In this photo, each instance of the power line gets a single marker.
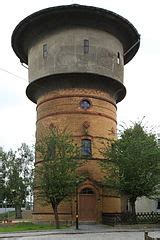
(6, 71)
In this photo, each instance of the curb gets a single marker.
(73, 232)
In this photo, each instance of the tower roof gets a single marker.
(74, 15)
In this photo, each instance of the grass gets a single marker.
(24, 227)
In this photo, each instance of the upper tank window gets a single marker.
(85, 104)
(45, 51)
(86, 46)
(118, 58)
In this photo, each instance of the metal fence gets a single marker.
(129, 218)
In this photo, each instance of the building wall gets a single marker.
(145, 204)
(61, 108)
(62, 51)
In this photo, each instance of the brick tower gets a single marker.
(75, 56)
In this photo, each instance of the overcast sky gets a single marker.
(141, 76)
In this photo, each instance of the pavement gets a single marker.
(88, 232)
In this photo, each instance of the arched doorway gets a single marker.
(87, 205)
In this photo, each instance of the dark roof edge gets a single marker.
(96, 10)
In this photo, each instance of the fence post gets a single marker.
(145, 235)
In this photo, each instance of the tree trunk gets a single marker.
(55, 208)
(133, 207)
(18, 212)
(133, 210)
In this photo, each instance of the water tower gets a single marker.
(76, 56)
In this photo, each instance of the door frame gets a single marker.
(97, 197)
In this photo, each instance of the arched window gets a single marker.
(86, 148)
(87, 191)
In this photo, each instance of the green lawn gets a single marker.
(24, 227)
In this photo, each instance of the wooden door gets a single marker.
(87, 205)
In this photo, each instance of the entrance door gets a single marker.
(87, 205)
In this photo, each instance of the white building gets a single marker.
(145, 204)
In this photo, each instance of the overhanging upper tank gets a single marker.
(74, 15)
(75, 39)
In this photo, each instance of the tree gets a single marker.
(2, 176)
(57, 175)
(132, 163)
(18, 180)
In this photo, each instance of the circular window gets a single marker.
(85, 104)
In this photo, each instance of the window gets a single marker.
(87, 191)
(158, 204)
(85, 104)
(51, 151)
(86, 46)
(86, 148)
(45, 51)
(118, 58)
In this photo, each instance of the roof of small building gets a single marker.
(74, 15)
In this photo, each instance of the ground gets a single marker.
(94, 232)
(90, 236)
(86, 232)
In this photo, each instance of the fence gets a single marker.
(129, 218)
(146, 237)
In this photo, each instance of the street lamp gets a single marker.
(77, 208)
(5, 205)
(1, 172)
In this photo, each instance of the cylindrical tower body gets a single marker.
(76, 55)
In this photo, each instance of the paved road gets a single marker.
(85, 232)
(89, 236)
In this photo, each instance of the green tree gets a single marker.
(18, 179)
(57, 175)
(132, 163)
(2, 176)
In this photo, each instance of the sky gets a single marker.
(141, 75)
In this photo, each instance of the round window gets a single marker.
(85, 104)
